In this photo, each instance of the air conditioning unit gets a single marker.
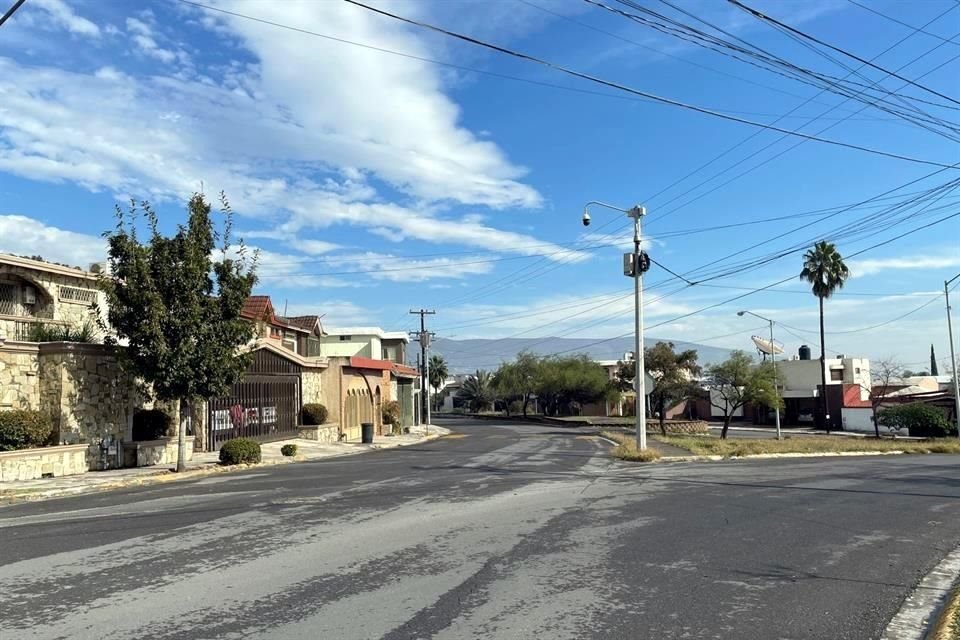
(29, 295)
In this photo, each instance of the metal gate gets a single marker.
(264, 405)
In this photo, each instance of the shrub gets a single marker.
(240, 451)
(391, 412)
(314, 414)
(920, 420)
(23, 429)
(151, 424)
(40, 332)
(289, 450)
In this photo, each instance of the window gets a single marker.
(313, 348)
(346, 338)
(836, 375)
(78, 295)
(275, 332)
(857, 371)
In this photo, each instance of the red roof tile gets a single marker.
(257, 308)
(359, 362)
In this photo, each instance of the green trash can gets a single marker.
(366, 433)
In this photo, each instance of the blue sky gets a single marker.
(373, 183)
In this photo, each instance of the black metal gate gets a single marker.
(264, 405)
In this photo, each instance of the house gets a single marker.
(35, 292)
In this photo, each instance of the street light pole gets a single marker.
(773, 359)
(953, 356)
(637, 267)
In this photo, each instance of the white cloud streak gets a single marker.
(61, 14)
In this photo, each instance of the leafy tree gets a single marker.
(517, 380)
(919, 419)
(934, 370)
(477, 391)
(177, 308)
(737, 381)
(673, 373)
(565, 381)
(884, 373)
(438, 375)
(824, 269)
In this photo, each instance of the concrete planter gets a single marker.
(147, 453)
(31, 464)
(325, 433)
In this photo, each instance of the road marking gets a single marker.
(922, 606)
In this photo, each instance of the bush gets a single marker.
(39, 332)
(23, 429)
(151, 424)
(391, 412)
(314, 414)
(240, 451)
(920, 420)
(289, 450)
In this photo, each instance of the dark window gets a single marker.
(836, 375)
(346, 338)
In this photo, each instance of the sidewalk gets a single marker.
(201, 465)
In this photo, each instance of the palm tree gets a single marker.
(824, 269)
(477, 391)
(438, 374)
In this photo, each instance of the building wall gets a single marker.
(857, 419)
(367, 346)
(19, 376)
(802, 377)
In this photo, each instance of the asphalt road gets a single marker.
(498, 532)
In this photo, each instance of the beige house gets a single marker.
(34, 292)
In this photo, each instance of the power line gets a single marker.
(12, 10)
(901, 22)
(765, 18)
(621, 87)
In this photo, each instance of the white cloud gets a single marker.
(142, 36)
(861, 268)
(21, 235)
(335, 313)
(62, 15)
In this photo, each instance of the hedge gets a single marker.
(289, 450)
(25, 429)
(920, 420)
(240, 451)
(151, 424)
(314, 414)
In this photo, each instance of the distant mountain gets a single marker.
(465, 356)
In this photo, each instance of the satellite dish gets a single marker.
(766, 347)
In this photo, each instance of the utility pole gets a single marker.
(953, 355)
(424, 337)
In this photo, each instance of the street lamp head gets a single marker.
(740, 313)
(585, 219)
(637, 211)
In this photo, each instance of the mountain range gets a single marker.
(466, 356)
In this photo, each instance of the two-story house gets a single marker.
(34, 292)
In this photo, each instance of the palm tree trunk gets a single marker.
(825, 421)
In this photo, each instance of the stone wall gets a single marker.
(89, 397)
(324, 433)
(151, 452)
(313, 387)
(31, 464)
(19, 376)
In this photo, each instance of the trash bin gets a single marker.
(366, 433)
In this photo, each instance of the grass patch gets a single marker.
(714, 446)
(626, 448)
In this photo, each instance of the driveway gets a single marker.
(499, 531)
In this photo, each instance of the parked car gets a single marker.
(806, 415)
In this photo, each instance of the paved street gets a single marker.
(498, 531)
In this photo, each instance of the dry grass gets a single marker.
(627, 448)
(714, 446)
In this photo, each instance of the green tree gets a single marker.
(477, 391)
(563, 382)
(517, 380)
(934, 370)
(673, 373)
(919, 419)
(737, 381)
(824, 269)
(438, 375)
(884, 374)
(177, 308)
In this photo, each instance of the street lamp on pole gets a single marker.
(635, 265)
(773, 358)
(953, 355)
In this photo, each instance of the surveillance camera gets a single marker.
(586, 219)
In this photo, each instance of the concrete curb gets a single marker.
(164, 475)
(926, 611)
(770, 456)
